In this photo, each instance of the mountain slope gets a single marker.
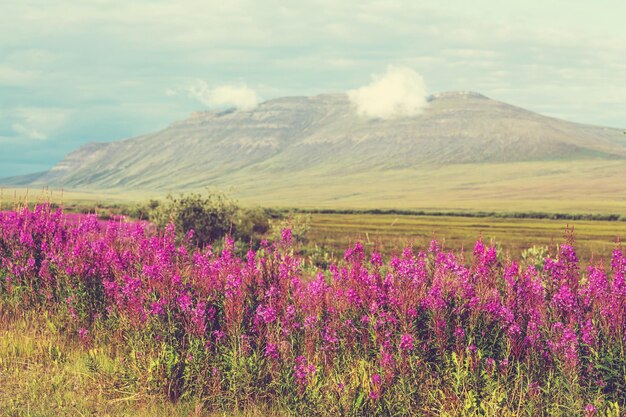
(323, 133)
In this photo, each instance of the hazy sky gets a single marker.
(73, 72)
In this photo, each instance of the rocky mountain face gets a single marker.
(324, 136)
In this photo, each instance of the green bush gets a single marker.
(251, 224)
(299, 223)
(211, 215)
(535, 256)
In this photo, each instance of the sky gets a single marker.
(79, 71)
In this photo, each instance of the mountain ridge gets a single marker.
(297, 141)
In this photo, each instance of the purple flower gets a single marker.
(286, 237)
(376, 259)
(490, 364)
(591, 410)
(459, 333)
(83, 333)
(267, 313)
(329, 338)
(533, 388)
(303, 370)
(310, 322)
(219, 335)
(406, 342)
(376, 380)
(156, 308)
(271, 351)
(184, 302)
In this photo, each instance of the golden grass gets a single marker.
(392, 232)
(43, 372)
(585, 186)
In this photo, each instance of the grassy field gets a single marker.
(106, 327)
(44, 372)
(593, 186)
(9, 197)
(390, 233)
(587, 186)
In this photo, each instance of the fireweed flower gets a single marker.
(504, 365)
(459, 333)
(374, 395)
(219, 335)
(184, 302)
(590, 410)
(406, 342)
(156, 308)
(434, 247)
(555, 316)
(303, 370)
(588, 333)
(271, 351)
(329, 338)
(268, 314)
(286, 237)
(198, 316)
(490, 365)
(83, 333)
(376, 382)
(376, 259)
(310, 322)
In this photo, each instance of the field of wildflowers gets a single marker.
(428, 332)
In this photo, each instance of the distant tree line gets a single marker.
(502, 214)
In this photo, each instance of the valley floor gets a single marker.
(390, 233)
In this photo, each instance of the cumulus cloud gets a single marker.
(400, 92)
(235, 95)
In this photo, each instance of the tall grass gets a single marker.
(429, 332)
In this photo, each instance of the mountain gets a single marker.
(299, 148)
(22, 180)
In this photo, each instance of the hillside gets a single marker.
(318, 151)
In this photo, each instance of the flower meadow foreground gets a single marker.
(429, 332)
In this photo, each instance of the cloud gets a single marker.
(10, 76)
(469, 53)
(400, 92)
(239, 96)
(36, 123)
(28, 132)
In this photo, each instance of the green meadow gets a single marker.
(390, 233)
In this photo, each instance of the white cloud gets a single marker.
(239, 96)
(10, 76)
(28, 132)
(400, 92)
(36, 123)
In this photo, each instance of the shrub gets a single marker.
(211, 215)
(299, 224)
(251, 224)
(535, 256)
